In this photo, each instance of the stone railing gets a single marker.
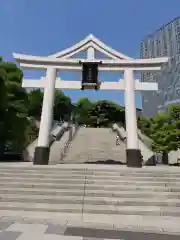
(57, 132)
(73, 129)
(120, 132)
(147, 154)
(173, 156)
(146, 140)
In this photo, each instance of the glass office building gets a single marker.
(164, 42)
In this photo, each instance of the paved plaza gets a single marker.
(27, 230)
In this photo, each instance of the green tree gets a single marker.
(164, 130)
(108, 112)
(35, 103)
(144, 124)
(62, 107)
(101, 113)
(13, 104)
(81, 109)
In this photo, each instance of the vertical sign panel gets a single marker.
(90, 75)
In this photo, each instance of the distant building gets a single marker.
(164, 42)
(138, 112)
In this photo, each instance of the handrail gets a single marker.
(68, 142)
(29, 151)
(148, 155)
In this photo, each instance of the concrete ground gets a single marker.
(15, 229)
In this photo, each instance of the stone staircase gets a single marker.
(115, 196)
(95, 145)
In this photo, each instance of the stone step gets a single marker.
(90, 173)
(90, 193)
(93, 209)
(42, 176)
(40, 191)
(133, 186)
(64, 176)
(134, 193)
(44, 171)
(132, 210)
(40, 185)
(90, 186)
(96, 184)
(43, 180)
(89, 168)
(44, 207)
(90, 181)
(113, 201)
(130, 183)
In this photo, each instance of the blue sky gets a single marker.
(41, 27)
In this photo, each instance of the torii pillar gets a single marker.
(133, 153)
(42, 151)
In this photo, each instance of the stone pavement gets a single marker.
(31, 229)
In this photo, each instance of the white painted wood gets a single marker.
(89, 39)
(33, 83)
(67, 84)
(79, 68)
(70, 51)
(130, 110)
(80, 49)
(91, 54)
(131, 62)
(145, 86)
(47, 109)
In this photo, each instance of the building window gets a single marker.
(177, 49)
(178, 29)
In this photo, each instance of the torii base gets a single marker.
(41, 156)
(134, 158)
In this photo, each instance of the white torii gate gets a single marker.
(62, 61)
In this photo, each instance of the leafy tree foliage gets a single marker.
(13, 107)
(62, 107)
(98, 114)
(81, 110)
(35, 103)
(174, 112)
(145, 125)
(163, 129)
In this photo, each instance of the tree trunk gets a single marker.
(2, 150)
